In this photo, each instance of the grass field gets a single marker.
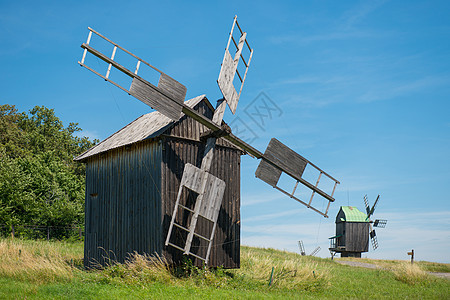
(49, 270)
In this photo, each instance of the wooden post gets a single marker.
(271, 277)
(412, 255)
(12, 230)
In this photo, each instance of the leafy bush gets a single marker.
(40, 184)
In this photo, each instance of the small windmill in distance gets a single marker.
(353, 230)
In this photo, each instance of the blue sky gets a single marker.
(362, 87)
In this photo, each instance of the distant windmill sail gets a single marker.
(377, 223)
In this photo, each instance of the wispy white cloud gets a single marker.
(255, 199)
(355, 15)
(272, 215)
(389, 90)
(346, 27)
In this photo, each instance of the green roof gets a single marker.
(352, 214)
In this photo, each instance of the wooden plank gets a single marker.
(192, 178)
(286, 158)
(172, 88)
(225, 81)
(152, 96)
(227, 73)
(212, 199)
(268, 173)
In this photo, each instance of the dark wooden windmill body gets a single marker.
(132, 178)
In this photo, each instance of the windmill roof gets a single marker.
(352, 214)
(145, 127)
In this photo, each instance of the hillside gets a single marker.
(39, 269)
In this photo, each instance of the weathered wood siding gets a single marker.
(182, 145)
(356, 237)
(226, 166)
(131, 192)
(123, 203)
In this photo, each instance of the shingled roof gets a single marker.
(145, 127)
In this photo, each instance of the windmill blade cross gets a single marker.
(167, 97)
(170, 103)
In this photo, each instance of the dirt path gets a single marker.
(357, 264)
(372, 266)
(442, 275)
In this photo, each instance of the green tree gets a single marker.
(40, 184)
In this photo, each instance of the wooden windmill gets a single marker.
(354, 229)
(167, 96)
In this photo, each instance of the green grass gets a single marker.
(53, 270)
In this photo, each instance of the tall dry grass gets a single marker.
(139, 269)
(411, 274)
(290, 269)
(36, 261)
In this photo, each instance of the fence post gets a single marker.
(12, 230)
(48, 233)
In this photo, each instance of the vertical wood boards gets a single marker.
(356, 237)
(224, 165)
(125, 214)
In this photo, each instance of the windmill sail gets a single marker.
(373, 238)
(380, 223)
(372, 210)
(229, 68)
(302, 248)
(366, 203)
(279, 158)
(167, 97)
(315, 251)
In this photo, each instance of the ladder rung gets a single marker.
(190, 253)
(195, 255)
(175, 246)
(202, 237)
(182, 206)
(182, 227)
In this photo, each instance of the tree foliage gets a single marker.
(40, 184)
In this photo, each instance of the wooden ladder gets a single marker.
(210, 191)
